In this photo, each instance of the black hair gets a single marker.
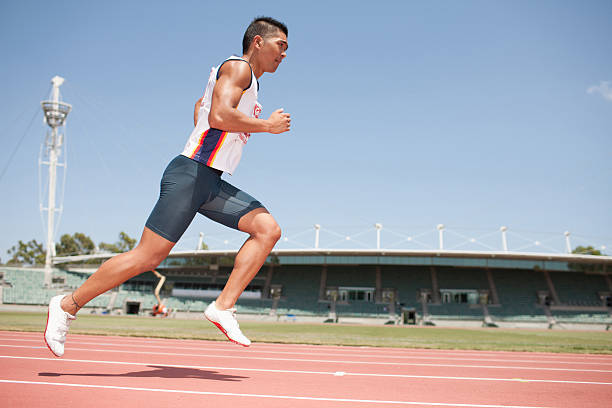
(262, 26)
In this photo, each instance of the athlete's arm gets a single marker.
(234, 77)
(196, 111)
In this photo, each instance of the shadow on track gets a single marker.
(160, 372)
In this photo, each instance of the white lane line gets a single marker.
(141, 340)
(332, 373)
(308, 360)
(441, 353)
(289, 397)
(420, 357)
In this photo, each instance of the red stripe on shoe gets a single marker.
(225, 332)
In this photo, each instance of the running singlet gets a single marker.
(217, 148)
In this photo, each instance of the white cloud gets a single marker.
(604, 89)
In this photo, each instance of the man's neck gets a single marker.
(250, 58)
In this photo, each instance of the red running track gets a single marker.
(101, 371)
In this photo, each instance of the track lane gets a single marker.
(388, 368)
(39, 394)
(187, 344)
(263, 351)
(198, 374)
(304, 386)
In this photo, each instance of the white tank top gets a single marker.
(217, 148)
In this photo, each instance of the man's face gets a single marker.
(273, 50)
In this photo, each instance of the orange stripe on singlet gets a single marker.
(200, 142)
(211, 160)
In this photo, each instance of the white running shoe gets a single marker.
(226, 321)
(58, 323)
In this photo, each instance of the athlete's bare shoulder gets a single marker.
(237, 72)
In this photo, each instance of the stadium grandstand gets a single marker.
(432, 286)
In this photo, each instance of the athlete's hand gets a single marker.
(279, 121)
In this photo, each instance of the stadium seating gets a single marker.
(408, 281)
(26, 287)
(300, 289)
(517, 291)
(584, 294)
(462, 278)
(360, 276)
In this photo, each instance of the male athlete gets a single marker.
(224, 119)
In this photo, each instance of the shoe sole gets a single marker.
(224, 332)
(45, 336)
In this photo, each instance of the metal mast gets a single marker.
(55, 116)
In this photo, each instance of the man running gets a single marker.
(224, 119)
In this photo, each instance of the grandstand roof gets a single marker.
(527, 256)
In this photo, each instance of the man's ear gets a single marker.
(258, 41)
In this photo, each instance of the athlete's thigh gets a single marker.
(183, 190)
(229, 205)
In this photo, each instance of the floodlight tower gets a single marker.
(55, 116)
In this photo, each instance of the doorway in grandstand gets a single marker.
(355, 294)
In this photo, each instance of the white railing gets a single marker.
(378, 236)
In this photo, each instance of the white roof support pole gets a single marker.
(568, 246)
(504, 240)
(440, 228)
(200, 241)
(378, 228)
(317, 228)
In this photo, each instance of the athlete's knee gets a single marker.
(275, 232)
(268, 230)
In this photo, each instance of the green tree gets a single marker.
(588, 250)
(77, 244)
(112, 248)
(124, 244)
(586, 267)
(29, 253)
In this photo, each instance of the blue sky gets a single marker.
(474, 114)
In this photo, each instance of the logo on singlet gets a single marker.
(244, 137)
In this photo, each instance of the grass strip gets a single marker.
(558, 341)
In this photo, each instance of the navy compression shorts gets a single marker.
(189, 187)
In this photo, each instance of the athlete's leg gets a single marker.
(150, 252)
(264, 233)
(239, 210)
(185, 185)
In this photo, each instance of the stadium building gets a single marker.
(427, 287)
